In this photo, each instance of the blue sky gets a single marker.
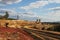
(46, 10)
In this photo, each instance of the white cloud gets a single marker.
(2, 5)
(54, 8)
(10, 11)
(0, 0)
(36, 4)
(52, 1)
(52, 16)
(28, 14)
(10, 1)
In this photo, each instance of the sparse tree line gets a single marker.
(54, 28)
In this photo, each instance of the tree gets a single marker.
(17, 17)
(6, 15)
(38, 21)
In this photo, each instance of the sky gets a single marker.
(46, 10)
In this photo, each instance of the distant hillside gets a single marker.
(51, 22)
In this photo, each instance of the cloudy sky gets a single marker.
(46, 10)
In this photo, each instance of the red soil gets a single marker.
(14, 34)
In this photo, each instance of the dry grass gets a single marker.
(23, 24)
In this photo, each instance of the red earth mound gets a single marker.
(13, 34)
